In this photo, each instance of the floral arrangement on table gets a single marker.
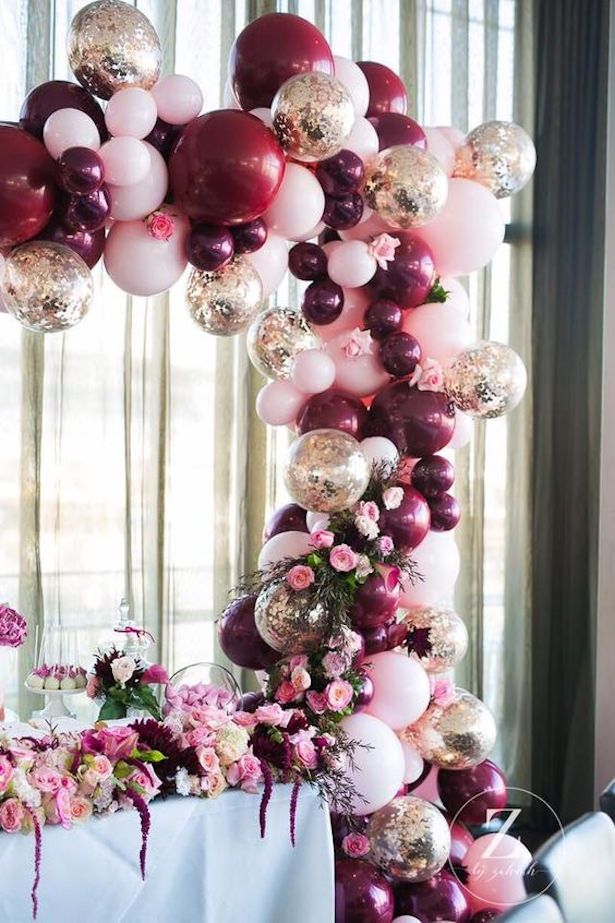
(121, 682)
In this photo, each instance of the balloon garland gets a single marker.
(313, 166)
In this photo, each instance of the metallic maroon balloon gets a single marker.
(418, 422)
(307, 261)
(47, 98)
(80, 171)
(409, 523)
(343, 212)
(333, 409)
(387, 92)
(362, 894)
(163, 137)
(239, 638)
(445, 512)
(439, 898)
(433, 475)
(400, 354)
(328, 235)
(271, 49)
(375, 601)
(210, 246)
(250, 237)
(461, 840)
(250, 701)
(468, 794)
(289, 518)
(410, 275)
(226, 168)
(485, 916)
(88, 246)
(341, 174)
(393, 128)
(383, 317)
(323, 301)
(397, 633)
(87, 212)
(366, 691)
(376, 639)
(27, 186)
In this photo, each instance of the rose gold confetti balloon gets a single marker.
(276, 338)
(405, 186)
(290, 621)
(441, 638)
(409, 839)
(326, 471)
(454, 736)
(498, 155)
(486, 380)
(313, 114)
(224, 302)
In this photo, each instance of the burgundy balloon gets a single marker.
(87, 212)
(226, 168)
(387, 92)
(239, 638)
(400, 354)
(89, 246)
(366, 691)
(289, 518)
(397, 633)
(418, 422)
(323, 301)
(409, 523)
(374, 603)
(459, 835)
(362, 894)
(47, 98)
(80, 171)
(333, 409)
(328, 235)
(485, 916)
(307, 261)
(433, 475)
(341, 174)
(250, 701)
(250, 237)
(424, 773)
(393, 128)
(27, 186)
(439, 898)
(445, 512)
(468, 794)
(343, 212)
(410, 276)
(271, 49)
(383, 317)
(210, 246)
(376, 639)
(163, 137)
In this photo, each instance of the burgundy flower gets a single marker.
(13, 628)
(418, 641)
(298, 722)
(278, 753)
(155, 736)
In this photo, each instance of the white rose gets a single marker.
(366, 527)
(123, 668)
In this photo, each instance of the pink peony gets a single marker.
(269, 714)
(355, 845)
(300, 577)
(322, 538)
(285, 693)
(357, 343)
(369, 509)
(317, 702)
(300, 679)
(338, 694)
(13, 627)
(155, 673)
(6, 773)
(160, 225)
(12, 815)
(392, 497)
(385, 545)
(343, 558)
(334, 664)
(383, 248)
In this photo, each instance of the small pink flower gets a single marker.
(339, 694)
(300, 577)
(383, 248)
(366, 527)
(146, 781)
(160, 225)
(322, 538)
(6, 773)
(80, 809)
(155, 673)
(58, 808)
(393, 497)
(357, 343)
(272, 715)
(286, 693)
(45, 779)
(298, 660)
(428, 377)
(369, 509)
(305, 753)
(93, 687)
(300, 679)
(317, 702)
(334, 664)
(343, 558)
(355, 845)
(385, 544)
(443, 692)
(11, 815)
(208, 761)
(364, 566)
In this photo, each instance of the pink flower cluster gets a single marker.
(13, 627)
(186, 697)
(59, 670)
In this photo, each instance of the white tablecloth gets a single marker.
(206, 864)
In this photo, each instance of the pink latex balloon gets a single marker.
(178, 99)
(468, 230)
(428, 789)
(264, 115)
(413, 762)
(270, 262)
(377, 772)
(313, 371)
(284, 545)
(406, 919)
(311, 234)
(358, 375)
(131, 202)
(69, 128)
(401, 689)
(437, 560)
(141, 265)
(316, 521)
(464, 427)
(331, 245)
(351, 265)
(362, 140)
(356, 302)
(365, 230)
(453, 135)
(131, 113)
(440, 329)
(442, 149)
(378, 449)
(457, 296)
(126, 161)
(495, 865)
(279, 402)
(299, 204)
(355, 82)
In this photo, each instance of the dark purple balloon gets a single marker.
(408, 278)
(250, 237)
(250, 701)
(289, 518)
(433, 475)
(445, 512)
(88, 212)
(341, 174)
(344, 212)
(80, 171)
(333, 409)
(375, 601)
(307, 261)
(397, 633)
(328, 235)
(393, 128)
(400, 354)
(163, 137)
(418, 422)
(409, 523)
(468, 794)
(323, 301)
(210, 246)
(366, 692)
(485, 916)
(376, 639)
(362, 894)
(383, 317)
(89, 246)
(239, 638)
(47, 98)
(439, 898)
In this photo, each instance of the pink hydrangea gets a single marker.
(383, 248)
(322, 538)
(339, 694)
(13, 627)
(343, 558)
(355, 845)
(300, 577)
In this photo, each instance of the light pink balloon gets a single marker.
(264, 115)
(131, 113)
(270, 262)
(362, 140)
(414, 763)
(406, 919)
(311, 234)
(279, 402)
(360, 375)
(468, 230)
(299, 204)
(131, 202)
(316, 521)
(457, 295)
(453, 135)
(284, 545)
(141, 265)
(367, 229)
(127, 161)
(69, 128)
(464, 427)
(440, 329)
(441, 148)
(351, 265)
(356, 302)
(313, 371)
(378, 450)
(437, 560)
(355, 82)
(377, 772)
(428, 789)
(331, 245)
(178, 99)
(401, 689)
(496, 863)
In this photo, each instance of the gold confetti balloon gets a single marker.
(289, 621)
(409, 839)
(458, 735)
(438, 638)
(112, 45)
(46, 286)
(486, 380)
(498, 155)
(326, 471)
(313, 114)
(226, 301)
(405, 186)
(276, 338)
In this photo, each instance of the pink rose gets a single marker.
(198, 737)
(286, 692)
(300, 679)
(334, 664)
(145, 780)
(58, 808)
(6, 773)
(208, 761)
(93, 687)
(343, 558)
(369, 509)
(443, 692)
(322, 538)
(385, 545)
(123, 668)
(383, 248)
(355, 845)
(338, 694)
(317, 702)
(357, 343)
(300, 577)
(11, 815)
(115, 742)
(209, 715)
(305, 753)
(246, 771)
(155, 674)
(428, 377)
(160, 225)
(101, 765)
(45, 779)
(392, 497)
(80, 809)
(298, 660)
(244, 719)
(269, 714)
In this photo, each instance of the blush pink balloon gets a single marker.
(453, 135)
(126, 161)
(413, 762)
(69, 128)
(358, 375)
(316, 521)
(279, 402)
(495, 865)
(331, 245)
(178, 99)
(362, 140)
(270, 262)
(313, 371)
(377, 773)
(351, 265)
(131, 113)
(264, 115)
(131, 202)
(365, 230)
(379, 450)
(141, 265)
(355, 82)
(311, 234)
(356, 302)
(284, 545)
(437, 560)
(401, 689)
(441, 148)
(440, 329)
(428, 789)
(464, 427)
(299, 204)
(457, 296)
(468, 230)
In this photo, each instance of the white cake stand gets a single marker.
(56, 706)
